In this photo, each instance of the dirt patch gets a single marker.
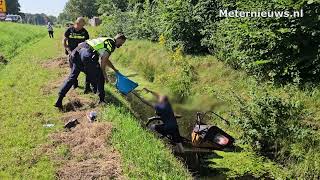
(51, 87)
(60, 62)
(73, 105)
(85, 154)
(3, 60)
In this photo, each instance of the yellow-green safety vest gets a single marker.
(101, 44)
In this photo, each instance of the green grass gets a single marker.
(22, 133)
(143, 156)
(21, 100)
(213, 89)
(15, 36)
(215, 81)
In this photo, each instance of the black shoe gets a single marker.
(95, 91)
(87, 91)
(58, 105)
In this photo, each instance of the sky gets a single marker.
(49, 7)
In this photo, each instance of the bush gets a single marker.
(283, 50)
(180, 28)
(120, 22)
(140, 22)
(273, 127)
(309, 168)
(206, 13)
(148, 69)
(179, 79)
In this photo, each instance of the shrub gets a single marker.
(180, 27)
(283, 50)
(273, 127)
(119, 22)
(206, 13)
(309, 168)
(148, 70)
(179, 80)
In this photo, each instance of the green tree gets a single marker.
(180, 28)
(110, 6)
(13, 6)
(76, 8)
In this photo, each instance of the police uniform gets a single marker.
(87, 60)
(74, 38)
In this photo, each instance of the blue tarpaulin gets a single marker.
(124, 84)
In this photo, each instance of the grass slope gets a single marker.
(24, 109)
(144, 59)
(214, 80)
(14, 36)
(144, 157)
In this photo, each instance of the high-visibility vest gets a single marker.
(101, 44)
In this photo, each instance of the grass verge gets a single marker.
(14, 36)
(24, 110)
(143, 156)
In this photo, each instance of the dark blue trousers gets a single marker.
(87, 82)
(88, 62)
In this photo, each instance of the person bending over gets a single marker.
(73, 36)
(92, 57)
(164, 110)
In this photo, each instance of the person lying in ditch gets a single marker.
(164, 110)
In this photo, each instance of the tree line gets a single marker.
(13, 7)
(282, 50)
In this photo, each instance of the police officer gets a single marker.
(86, 57)
(73, 36)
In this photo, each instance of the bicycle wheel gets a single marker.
(153, 122)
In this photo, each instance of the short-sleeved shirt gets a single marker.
(166, 113)
(76, 37)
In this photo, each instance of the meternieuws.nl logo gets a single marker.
(264, 14)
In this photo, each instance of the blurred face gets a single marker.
(80, 25)
(119, 42)
(163, 99)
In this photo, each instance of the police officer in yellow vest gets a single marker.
(86, 59)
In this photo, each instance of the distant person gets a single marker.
(85, 58)
(50, 30)
(164, 110)
(73, 36)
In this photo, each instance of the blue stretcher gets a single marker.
(124, 84)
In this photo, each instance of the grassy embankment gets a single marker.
(144, 156)
(14, 36)
(25, 110)
(21, 101)
(215, 83)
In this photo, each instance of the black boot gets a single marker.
(87, 88)
(58, 104)
(87, 91)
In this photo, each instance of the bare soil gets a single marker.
(60, 62)
(3, 60)
(84, 152)
(87, 153)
